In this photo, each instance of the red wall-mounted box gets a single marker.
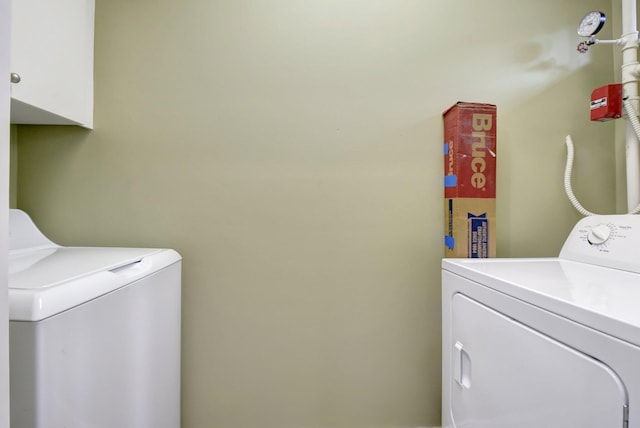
(606, 102)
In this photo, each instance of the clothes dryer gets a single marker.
(546, 342)
(94, 333)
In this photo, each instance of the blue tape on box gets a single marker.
(450, 181)
(450, 242)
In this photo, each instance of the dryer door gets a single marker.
(505, 375)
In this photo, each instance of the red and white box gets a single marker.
(606, 102)
(470, 180)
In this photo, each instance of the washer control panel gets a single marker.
(608, 240)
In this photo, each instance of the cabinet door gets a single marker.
(505, 375)
(52, 52)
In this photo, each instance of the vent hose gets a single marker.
(635, 124)
(567, 180)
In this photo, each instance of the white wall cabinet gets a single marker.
(52, 53)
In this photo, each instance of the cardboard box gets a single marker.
(470, 180)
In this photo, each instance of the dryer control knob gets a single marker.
(599, 234)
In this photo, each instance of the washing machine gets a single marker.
(546, 342)
(94, 333)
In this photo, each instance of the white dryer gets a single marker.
(546, 342)
(94, 334)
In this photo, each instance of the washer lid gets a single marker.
(46, 281)
(602, 298)
(52, 266)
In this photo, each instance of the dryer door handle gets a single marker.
(461, 366)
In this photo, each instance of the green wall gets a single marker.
(291, 151)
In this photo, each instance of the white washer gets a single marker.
(546, 342)
(94, 334)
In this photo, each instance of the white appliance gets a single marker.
(94, 334)
(546, 342)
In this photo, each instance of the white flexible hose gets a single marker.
(635, 124)
(567, 179)
(632, 115)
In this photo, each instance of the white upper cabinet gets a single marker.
(52, 57)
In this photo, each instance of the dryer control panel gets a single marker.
(605, 240)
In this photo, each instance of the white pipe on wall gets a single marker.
(630, 72)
